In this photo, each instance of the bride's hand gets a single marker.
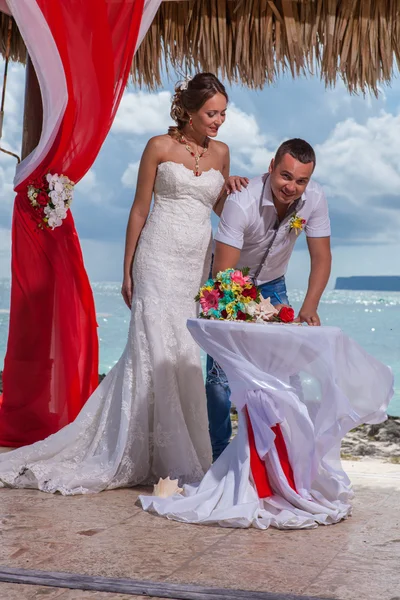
(127, 290)
(234, 183)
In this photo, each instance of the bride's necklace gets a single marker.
(196, 155)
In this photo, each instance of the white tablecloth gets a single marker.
(315, 382)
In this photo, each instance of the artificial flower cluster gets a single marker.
(51, 197)
(232, 296)
(297, 223)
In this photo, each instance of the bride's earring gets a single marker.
(191, 122)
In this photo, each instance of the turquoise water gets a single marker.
(371, 318)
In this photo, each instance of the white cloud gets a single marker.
(248, 145)
(142, 113)
(146, 114)
(360, 164)
(241, 131)
(6, 182)
(13, 108)
(5, 253)
(88, 183)
(12, 135)
(359, 161)
(129, 177)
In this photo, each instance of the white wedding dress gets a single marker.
(148, 417)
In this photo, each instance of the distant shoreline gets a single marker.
(368, 283)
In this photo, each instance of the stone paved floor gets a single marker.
(108, 535)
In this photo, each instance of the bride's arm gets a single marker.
(139, 212)
(219, 205)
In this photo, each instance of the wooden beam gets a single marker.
(177, 591)
(33, 111)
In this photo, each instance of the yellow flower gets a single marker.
(206, 288)
(230, 308)
(296, 223)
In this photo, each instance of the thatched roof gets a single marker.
(253, 41)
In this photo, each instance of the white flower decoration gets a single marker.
(60, 192)
(184, 85)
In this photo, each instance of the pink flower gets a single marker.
(239, 278)
(209, 300)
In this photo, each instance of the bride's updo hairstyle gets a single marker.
(189, 97)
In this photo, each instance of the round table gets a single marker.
(298, 390)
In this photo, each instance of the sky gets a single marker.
(356, 138)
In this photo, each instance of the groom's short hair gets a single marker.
(299, 149)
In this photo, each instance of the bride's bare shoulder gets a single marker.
(220, 147)
(160, 143)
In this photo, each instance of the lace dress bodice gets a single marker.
(175, 243)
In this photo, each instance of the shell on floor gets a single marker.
(166, 488)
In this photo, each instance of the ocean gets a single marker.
(370, 318)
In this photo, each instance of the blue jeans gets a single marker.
(217, 388)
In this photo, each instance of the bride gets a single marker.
(148, 417)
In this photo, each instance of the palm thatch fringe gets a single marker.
(254, 41)
(17, 49)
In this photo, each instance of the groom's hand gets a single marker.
(308, 315)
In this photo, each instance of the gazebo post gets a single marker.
(33, 111)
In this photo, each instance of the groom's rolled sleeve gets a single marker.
(318, 224)
(232, 223)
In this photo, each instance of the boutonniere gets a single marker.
(296, 223)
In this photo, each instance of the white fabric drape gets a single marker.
(4, 8)
(149, 12)
(317, 384)
(50, 72)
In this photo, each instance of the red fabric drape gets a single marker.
(257, 465)
(51, 364)
(259, 468)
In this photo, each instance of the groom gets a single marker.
(258, 229)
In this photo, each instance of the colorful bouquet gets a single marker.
(232, 296)
(51, 197)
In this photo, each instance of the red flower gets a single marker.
(38, 184)
(241, 316)
(224, 314)
(42, 199)
(217, 286)
(250, 292)
(286, 314)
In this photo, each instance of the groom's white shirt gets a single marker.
(249, 222)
